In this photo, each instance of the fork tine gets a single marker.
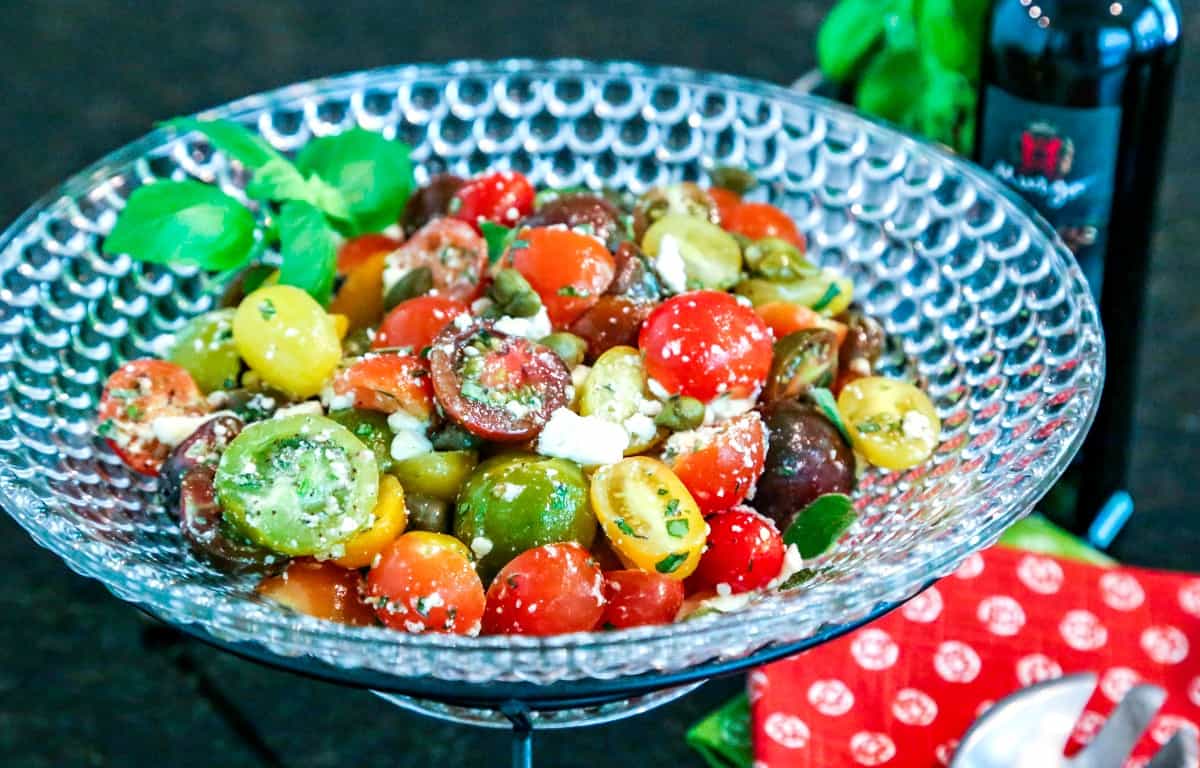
(1178, 752)
(1116, 739)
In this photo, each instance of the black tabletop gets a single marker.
(86, 681)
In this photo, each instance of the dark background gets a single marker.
(85, 681)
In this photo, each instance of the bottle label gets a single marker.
(1060, 159)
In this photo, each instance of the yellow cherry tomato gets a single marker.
(891, 423)
(341, 326)
(391, 518)
(286, 337)
(649, 517)
(361, 296)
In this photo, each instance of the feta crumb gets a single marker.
(533, 328)
(724, 590)
(917, 426)
(586, 440)
(792, 563)
(669, 265)
(405, 445)
(481, 546)
(173, 430)
(726, 407)
(462, 322)
(307, 408)
(641, 429)
(657, 389)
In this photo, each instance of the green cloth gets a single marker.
(723, 737)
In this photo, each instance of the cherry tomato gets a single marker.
(613, 321)
(759, 220)
(454, 253)
(745, 551)
(360, 298)
(416, 322)
(388, 383)
(358, 250)
(547, 590)
(391, 517)
(504, 197)
(568, 270)
(425, 582)
(318, 589)
(719, 464)
(636, 598)
(497, 386)
(784, 317)
(726, 201)
(704, 344)
(134, 396)
(430, 201)
(892, 423)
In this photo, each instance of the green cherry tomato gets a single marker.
(828, 292)
(299, 485)
(711, 256)
(371, 428)
(206, 350)
(516, 502)
(439, 474)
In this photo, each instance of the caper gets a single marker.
(414, 283)
(737, 180)
(681, 413)
(802, 360)
(567, 346)
(512, 295)
(777, 259)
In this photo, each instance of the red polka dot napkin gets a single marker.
(901, 691)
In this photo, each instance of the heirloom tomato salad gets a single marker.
(525, 412)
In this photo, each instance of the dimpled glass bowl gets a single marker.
(979, 296)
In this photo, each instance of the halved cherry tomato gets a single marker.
(745, 551)
(568, 270)
(720, 463)
(504, 197)
(425, 582)
(360, 298)
(134, 396)
(636, 598)
(318, 589)
(547, 590)
(453, 252)
(704, 344)
(784, 317)
(726, 201)
(499, 387)
(391, 517)
(388, 383)
(415, 323)
(613, 321)
(759, 220)
(358, 250)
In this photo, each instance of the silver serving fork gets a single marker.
(1030, 729)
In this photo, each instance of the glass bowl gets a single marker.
(980, 297)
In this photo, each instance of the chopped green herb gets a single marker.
(671, 563)
(831, 293)
(422, 607)
(107, 428)
(266, 308)
(828, 405)
(678, 528)
(672, 508)
(626, 528)
(133, 412)
(570, 290)
(663, 491)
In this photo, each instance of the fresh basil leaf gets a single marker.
(821, 524)
(234, 139)
(308, 245)
(498, 238)
(374, 175)
(279, 180)
(184, 222)
(942, 35)
(825, 401)
(891, 83)
(851, 31)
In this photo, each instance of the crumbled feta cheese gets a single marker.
(657, 389)
(792, 563)
(726, 407)
(669, 265)
(586, 440)
(509, 491)
(729, 603)
(641, 429)
(405, 445)
(462, 322)
(307, 408)
(579, 375)
(402, 421)
(534, 328)
(480, 305)
(724, 590)
(917, 426)
(481, 546)
(173, 430)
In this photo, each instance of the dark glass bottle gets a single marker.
(1074, 102)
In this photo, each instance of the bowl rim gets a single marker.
(900, 584)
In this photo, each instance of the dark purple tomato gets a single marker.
(806, 457)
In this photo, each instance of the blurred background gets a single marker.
(87, 681)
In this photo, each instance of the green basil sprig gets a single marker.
(819, 525)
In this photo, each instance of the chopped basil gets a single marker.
(106, 428)
(570, 290)
(626, 528)
(677, 528)
(133, 412)
(825, 401)
(821, 524)
(672, 508)
(663, 491)
(831, 293)
(266, 308)
(671, 563)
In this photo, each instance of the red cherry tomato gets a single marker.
(497, 386)
(784, 317)
(636, 598)
(569, 270)
(759, 220)
(504, 197)
(745, 552)
(726, 201)
(719, 464)
(388, 383)
(318, 589)
(453, 252)
(425, 582)
(134, 396)
(416, 322)
(359, 250)
(704, 344)
(547, 590)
